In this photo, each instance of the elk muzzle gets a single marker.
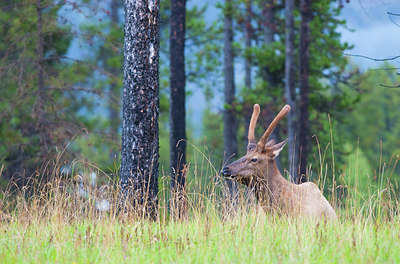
(226, 172)
(232, 170)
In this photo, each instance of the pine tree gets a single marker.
(36, 88)
(268, 55)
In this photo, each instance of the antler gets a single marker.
(274, 123)
(256, 112)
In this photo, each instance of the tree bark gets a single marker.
(247, 67)
(289, 89)
(230, 127)
(249, 35)
(268, 24)
(140, 147)
(304, 135)
(114, 93)
(268, 76)
(177, 106)
(40, 105)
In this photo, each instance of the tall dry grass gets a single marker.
(70, 218)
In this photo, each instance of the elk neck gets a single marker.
(271, 186)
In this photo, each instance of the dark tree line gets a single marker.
(295, 64)
(277, 58)
(275, 84)
(37, 107)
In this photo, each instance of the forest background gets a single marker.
(61, 84)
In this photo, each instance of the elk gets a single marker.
(258, 170)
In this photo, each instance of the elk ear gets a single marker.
(277, 148)
(270, 143)
(251, 147)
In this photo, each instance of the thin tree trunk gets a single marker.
(114, 93)
(177, 107)
(40, 107)
(268, 25)
(249, 35)
(268, 76)
(115, 4)
(230, 130)
(247, 66)
(304, 135)
(139, 157)
(289, 88)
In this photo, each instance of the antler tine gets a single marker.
(274, 123)
(256, 112)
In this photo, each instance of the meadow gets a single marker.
(58, 224)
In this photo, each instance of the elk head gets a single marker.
(259, 162)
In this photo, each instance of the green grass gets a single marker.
(248, 238)
(55, 225)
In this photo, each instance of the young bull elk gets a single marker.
(258, 170)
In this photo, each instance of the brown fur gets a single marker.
(258, 170)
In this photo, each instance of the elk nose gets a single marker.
(225, 171)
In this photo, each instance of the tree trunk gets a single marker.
(230, 130)
(140, 148)
(115, 5)
(114, 93)
(268, 76)
(114, 89)
(304, 136)
(289, 89)
(247, 68)
(249, 35)
(177, 107)
(268, 24)
(40, 106)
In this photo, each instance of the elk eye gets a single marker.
(253, 160)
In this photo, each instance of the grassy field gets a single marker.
(248, 238)
(58, 225)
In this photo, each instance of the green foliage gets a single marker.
(213, 134)
(84, 92)
(19, 71)
(374, 125)
(103, 35)
(331, 79)
(202, 61)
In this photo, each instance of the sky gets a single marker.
(376, 34)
